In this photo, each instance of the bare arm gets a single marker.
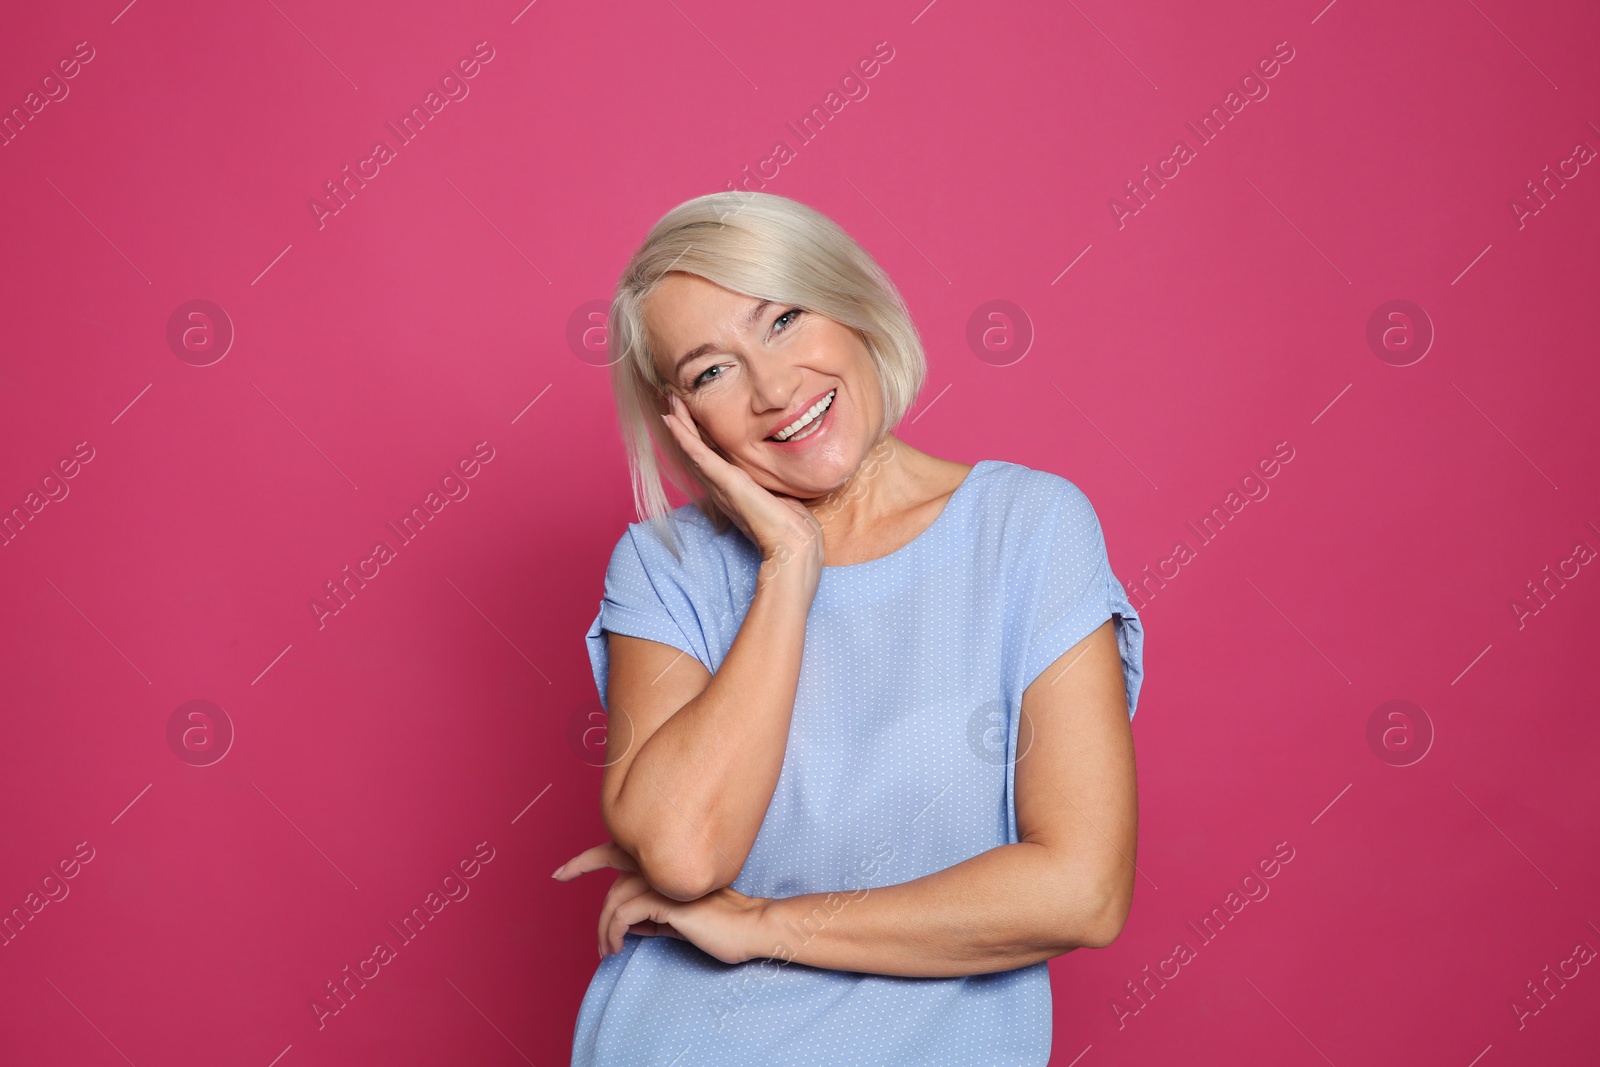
(693, 758)
(1068, 882)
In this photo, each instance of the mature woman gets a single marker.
(869, 761)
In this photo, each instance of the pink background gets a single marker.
(442, 708)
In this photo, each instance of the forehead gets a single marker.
(686, 311)
(689, 302)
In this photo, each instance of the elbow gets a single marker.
(672, 867)
(683, 866)
(674, 873)
(1103, 924)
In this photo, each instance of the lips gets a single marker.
(799, 412)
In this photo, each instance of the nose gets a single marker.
(774, 383)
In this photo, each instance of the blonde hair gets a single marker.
(762, 246)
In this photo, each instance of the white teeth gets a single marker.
(805, 420)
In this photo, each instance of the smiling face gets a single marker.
(755, 369)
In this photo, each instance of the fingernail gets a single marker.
(555, 873)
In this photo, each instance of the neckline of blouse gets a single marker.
(850, 569)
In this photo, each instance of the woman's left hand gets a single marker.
(723, 923)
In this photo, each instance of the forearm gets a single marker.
(1009, 907)
(695, 795)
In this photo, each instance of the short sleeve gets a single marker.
(643, 598)
(1075, 591)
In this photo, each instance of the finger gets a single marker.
(687, 432)
(646, 906)
(624, 888)
(609, 854)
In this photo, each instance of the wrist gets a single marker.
(768, 931)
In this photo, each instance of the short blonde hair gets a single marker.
(762, 246)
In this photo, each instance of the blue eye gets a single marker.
(785, 315)
(701, 379)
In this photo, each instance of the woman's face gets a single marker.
(755, 369)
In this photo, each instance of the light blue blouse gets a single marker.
(900, 762)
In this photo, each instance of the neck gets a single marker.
(881, 485)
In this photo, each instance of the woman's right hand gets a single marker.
(783, 529)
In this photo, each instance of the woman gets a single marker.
(869, 762)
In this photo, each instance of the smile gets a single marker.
(807, 423)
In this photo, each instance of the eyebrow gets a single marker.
(700, 350)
